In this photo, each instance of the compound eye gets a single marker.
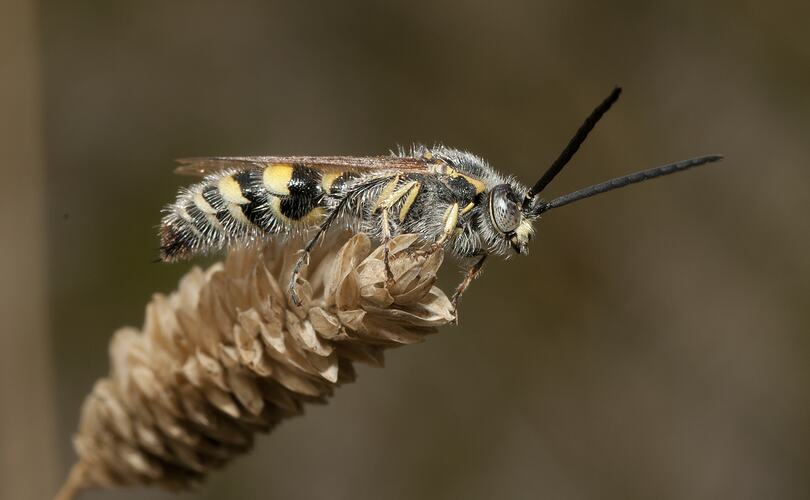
(503, 209)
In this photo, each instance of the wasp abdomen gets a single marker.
(304, 193)
(240, 206)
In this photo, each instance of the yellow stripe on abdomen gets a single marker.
(327, 179)
(276, 178)
(311, 218)
(230, 191)
(202, 204)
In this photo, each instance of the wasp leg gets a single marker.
(472, 273)
(304, 258)
(388, 199)
(450, 223)
(386, 237)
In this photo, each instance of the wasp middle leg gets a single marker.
(389, 196)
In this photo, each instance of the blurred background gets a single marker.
(655, 343)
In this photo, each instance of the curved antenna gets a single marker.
(626, 180)
(573, 145)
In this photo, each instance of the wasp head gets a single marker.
(509, 219)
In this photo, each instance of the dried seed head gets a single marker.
(228, 354)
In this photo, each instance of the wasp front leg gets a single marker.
(471, 274)
(450, 223)
(448, 229)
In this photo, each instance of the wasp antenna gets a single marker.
(573, 145)
(626, 180)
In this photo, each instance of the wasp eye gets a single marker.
(503, 209)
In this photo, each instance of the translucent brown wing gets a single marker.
(209, 165)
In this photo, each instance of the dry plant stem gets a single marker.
(228, 355)
(74, 483)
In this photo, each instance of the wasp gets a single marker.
(452, 199)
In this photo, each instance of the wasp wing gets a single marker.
(208, 165)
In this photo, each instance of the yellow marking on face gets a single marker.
(203, 204)
(413, 192)
(328, 179)
(230, 191)
(427, 155)
(276, 178)
(386, 192)
(450, 219)
(467, 208)
(524, 230)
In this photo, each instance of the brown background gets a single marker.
(653, 345)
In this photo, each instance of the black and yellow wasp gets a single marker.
(450, 198)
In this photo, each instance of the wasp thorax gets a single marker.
(503, 209)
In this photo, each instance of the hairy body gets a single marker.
(449, 198)
(440, 194)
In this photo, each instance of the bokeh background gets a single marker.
(655, 343)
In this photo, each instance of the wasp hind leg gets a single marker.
(304, 258)
(386, 237)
